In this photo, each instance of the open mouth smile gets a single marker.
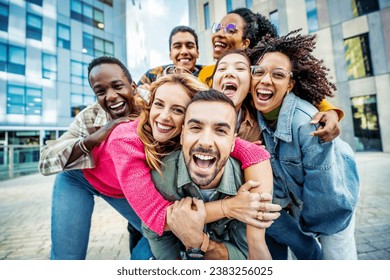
(203, 161)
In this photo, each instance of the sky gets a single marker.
(157, 19)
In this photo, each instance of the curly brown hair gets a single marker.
(154, 151)
(309, 73)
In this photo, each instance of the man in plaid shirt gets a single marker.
(73, 196)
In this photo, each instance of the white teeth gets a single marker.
(163, 127)
(117, 105)
(204, 157)
(219, 44)
(264, 92)
(184, 60)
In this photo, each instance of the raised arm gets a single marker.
(328, 118)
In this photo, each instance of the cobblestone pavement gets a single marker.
(25, 217)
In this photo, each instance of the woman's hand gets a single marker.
(255, 209)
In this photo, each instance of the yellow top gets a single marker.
(207, 71)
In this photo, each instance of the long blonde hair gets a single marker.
(153, 150)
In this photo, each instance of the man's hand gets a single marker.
(186, 219)
(255, 209)
(329, 128)
(96, 138)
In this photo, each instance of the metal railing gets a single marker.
(18, 160)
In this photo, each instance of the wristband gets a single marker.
(223, 210)
(82, 146)
(198, 253)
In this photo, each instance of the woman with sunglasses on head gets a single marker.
(243, 29)
(316, 182)
(134, 149)
(232, 76)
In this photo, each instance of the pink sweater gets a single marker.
(121, 171)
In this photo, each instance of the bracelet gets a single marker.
(223, 210)
(205, 243)
(83, 147)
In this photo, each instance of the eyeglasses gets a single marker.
(229, 29)
(175, 70)
(277, 75)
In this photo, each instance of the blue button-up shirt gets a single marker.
(319, 179)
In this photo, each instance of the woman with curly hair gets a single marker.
(242, 29)
(315, 182)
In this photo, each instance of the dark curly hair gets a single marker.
(309, 73)
(256, 26)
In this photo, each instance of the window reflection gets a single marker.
(357, 57)
(365, 122)
(362, 7)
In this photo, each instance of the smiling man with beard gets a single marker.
(203, 171)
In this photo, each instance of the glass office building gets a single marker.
(45, 48)
(353, 38)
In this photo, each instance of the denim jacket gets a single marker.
(319, 179)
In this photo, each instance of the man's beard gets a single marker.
(205, 179)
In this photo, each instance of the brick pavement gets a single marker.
(25, 217)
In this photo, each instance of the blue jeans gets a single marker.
(284, 233)
(72, 206)
(341, 245)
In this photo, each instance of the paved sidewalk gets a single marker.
(25, 217)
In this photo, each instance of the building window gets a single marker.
(79, 73)
(229, 5)
(34, 27)
(37, 2)
(34, 101)
(3, 57)
(96, 46)
(12, 59)
(249, 4)
(49, 66)
(63, 36)
(17, 60)
(206, 12)
(24, 101)
(107, 2)
(311, 12)
(365, 123)
(87, 14)
(4, 13)
(15, 100)
(88, 43)
(274, 19)
(357, 57)
(79, 101)
(362, 7)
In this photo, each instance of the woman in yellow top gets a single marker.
(243, 29)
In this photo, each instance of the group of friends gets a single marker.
(236, 160)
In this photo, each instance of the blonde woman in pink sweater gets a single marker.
(125, 159)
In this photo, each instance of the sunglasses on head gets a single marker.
(229, 29)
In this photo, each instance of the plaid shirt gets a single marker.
(56, 153)
(151, 75)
